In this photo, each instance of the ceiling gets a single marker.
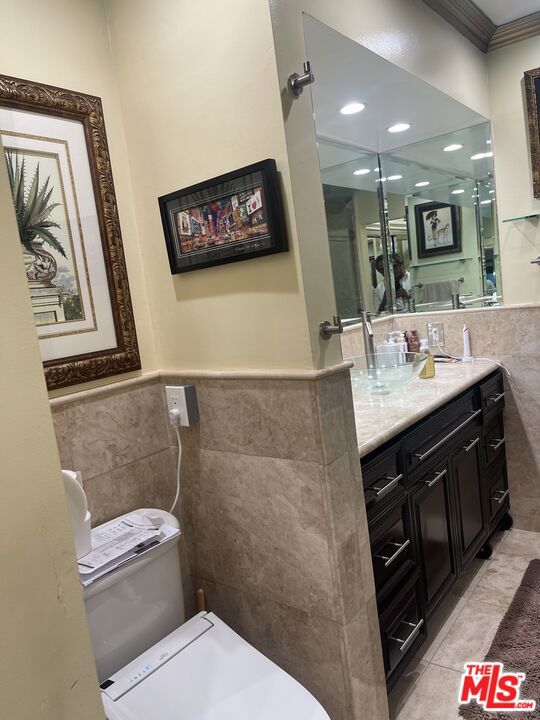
(491, 24)
(346, 71)
(501, 12)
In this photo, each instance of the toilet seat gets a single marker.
(203, 670)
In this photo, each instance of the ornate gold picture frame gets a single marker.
(532, 93)
(58, 163)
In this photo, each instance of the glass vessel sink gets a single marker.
(382, 373)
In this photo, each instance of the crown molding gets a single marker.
(514, 31)
(467, 19)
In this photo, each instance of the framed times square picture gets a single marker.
(232, 217)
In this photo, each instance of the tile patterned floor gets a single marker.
(462, 629)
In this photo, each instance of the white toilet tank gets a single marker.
(135, 606)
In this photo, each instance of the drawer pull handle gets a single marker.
(423, 456)
(400, 549)
(471, 445)
(496, 444)
(408, 641)
(438, 476)
(503, 496)
(496, 398)
(383, 490)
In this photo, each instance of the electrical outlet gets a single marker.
(184, 399)
(435, 333)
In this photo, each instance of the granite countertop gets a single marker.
(380, 418)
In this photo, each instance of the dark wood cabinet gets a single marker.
(432, 510)
(468, 481)
(434, 495)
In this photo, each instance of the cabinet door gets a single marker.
(433, 520)
(467, 476)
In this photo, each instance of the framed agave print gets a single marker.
(58, 165)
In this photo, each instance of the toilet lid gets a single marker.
(205, 671)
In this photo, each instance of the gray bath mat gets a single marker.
(517, 646)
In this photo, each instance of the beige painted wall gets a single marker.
(46, 663)
(200, 96)
(71, 50)
(519, 242)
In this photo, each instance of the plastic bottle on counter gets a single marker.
(413, 343)
(401, 346)
(428, 371)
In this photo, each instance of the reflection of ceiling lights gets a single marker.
(488, 142)
(453, 147)
(421, 184)
(395, 177)
(352, 108)
(362, 171)
(491, 192)
(485, 202)
(399, 127)
(481, 156)
(380, 180)
(458, 192)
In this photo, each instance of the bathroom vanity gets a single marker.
(435, 492)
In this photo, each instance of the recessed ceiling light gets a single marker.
(399, 127)
(458, 192)
(451, 148)
(395, 177)
(362, 171)
(352, 108)
(421, 184)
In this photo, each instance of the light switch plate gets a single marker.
(439, 329)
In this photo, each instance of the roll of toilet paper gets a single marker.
(79, 516)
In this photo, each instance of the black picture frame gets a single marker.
(232, 217)
(438, 229)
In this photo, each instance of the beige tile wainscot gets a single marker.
(273, 517)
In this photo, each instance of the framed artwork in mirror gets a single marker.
(232, 217)
(532, 93)
(438, 229)
(59, 169)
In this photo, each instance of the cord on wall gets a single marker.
(455, 357)
(174, 418)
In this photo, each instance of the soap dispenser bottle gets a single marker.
(428, 371)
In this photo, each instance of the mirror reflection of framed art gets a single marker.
(438, 229)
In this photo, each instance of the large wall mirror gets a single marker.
(408, 183)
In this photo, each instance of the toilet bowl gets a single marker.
(154, 666)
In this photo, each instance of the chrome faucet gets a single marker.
(369, 344)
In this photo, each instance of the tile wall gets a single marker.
(272, 511)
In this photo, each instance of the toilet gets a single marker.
(152, 665)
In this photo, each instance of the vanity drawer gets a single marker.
(383, 477)
(498, 493)
(492, 394)
(431, 437)
(494, 438)
(403, 630)
(392, 548)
